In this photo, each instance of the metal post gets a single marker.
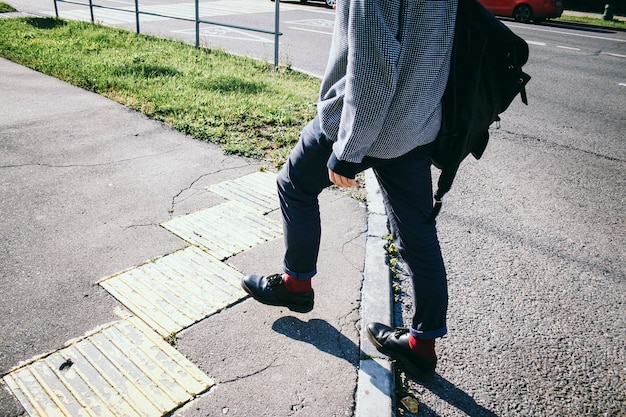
(91, 11)
(608, 13)
(56, 9)
(197, 23)
(137, 14)
(276, 34)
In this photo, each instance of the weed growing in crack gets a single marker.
(402, 383)
(171, 339)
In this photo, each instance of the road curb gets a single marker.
(375, 383)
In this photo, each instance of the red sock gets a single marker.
(423, 347)
(297, 285)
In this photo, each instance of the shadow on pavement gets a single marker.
(320, 334)
(453, 396)
(327, 338)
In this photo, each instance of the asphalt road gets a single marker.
(578, 89)
(533, 238)
(533, 234)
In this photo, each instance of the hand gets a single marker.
(340, 180)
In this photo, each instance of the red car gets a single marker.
(525, 10)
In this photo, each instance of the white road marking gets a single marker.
(316, 23)
(581, 35)
(122, 2)
(227, 33)
(311, 30)
(321, 23)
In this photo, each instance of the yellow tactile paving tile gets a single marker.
(226, 229)
(125, 369)
(257, 190)
(177, 290)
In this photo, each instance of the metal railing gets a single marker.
(276, 32)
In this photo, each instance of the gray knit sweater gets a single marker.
(386, 74)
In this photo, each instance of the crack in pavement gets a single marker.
(191, 185)
(257, 372)
(46, 165)
(132, 226)
(521, 137)
(348, 258)
(346, 322)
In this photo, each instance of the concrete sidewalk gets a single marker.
(119, 232)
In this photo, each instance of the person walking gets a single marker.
(379, 108)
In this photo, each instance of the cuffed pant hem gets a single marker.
(299, 275)
(432, 334)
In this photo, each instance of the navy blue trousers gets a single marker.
(406, 187)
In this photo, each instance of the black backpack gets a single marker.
(485, 76)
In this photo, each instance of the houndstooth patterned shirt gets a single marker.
(387, 71)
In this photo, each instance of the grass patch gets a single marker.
(238, 103)
(6, 8)
(615, 24)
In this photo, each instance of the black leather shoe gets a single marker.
(395, 343)
(271, 291)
